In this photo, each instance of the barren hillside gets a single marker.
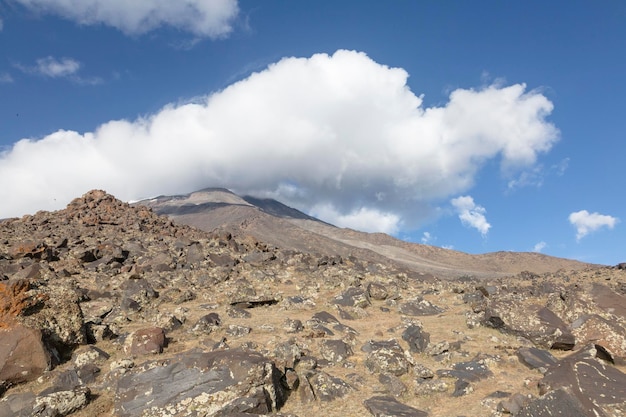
(108, 309)
(287, 228)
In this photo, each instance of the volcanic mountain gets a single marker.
(110, 309)
(270, 221)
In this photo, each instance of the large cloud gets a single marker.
(205, 18)
(586, 222)
(341, 136)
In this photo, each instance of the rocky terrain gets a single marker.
(274, 223)
(111, 309)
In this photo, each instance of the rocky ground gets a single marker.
(108, 309)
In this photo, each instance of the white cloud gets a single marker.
(59, 68)
(363, 219)
(586, 222)
(203, 18)
(471, 214)
(339, 132)
(426, 237)
(55, 68)
(536, 175)
(531, 177)
(540, 246)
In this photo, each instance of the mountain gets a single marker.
(275, 223)
(109, 309)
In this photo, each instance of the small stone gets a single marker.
(293, 326)
(207, 323)
(385, 406)
(146, 341)
(235, 330)
(62, 403)
(335, 350)
(461, 388)
(377, 291)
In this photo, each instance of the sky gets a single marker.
(477, 126)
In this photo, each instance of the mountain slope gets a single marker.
(109, 309)
(275, 223)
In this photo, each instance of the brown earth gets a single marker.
(324, 320)
(271, 222)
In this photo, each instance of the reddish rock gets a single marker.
(14, 300)
(146, 341)
(23, 356)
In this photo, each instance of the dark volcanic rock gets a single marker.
(201, 383)
(386, 356)
(594, 385)
(461, 388)
(335, 350)
(608, 300)
(468, 371)
(416, 337)
(61, 403)
(377, 291)
(383, 406)
(535, 358)
(393, 385)
(325, 387)
(604, 333)
(207, 323)
(538, 324)
(555, 403)
(419, 307)
(325, 317)
(17, 405)
(353, 297)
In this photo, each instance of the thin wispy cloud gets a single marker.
(540, 246)
(340, 136)
(202, 18)
(471, 214)
(586, 222)
(55, 68)
(5, 78)
(532, 177)
(560, 168)
(536, 175)
(65, 67)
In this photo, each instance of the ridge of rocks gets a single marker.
(110, 309)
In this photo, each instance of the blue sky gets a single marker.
(480, 126)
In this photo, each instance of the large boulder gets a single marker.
(201, 383)
(23, 356)
(531, 321)
(580, 384)
(386, 356)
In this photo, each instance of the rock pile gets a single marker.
(108, 309)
